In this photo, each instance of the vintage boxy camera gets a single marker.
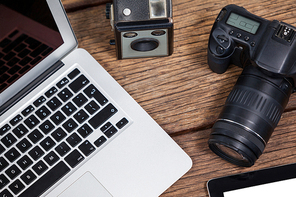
(266, 50)
(142, 28)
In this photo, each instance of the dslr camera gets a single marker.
(266, 50)
(142, 28)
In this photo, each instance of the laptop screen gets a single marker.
(35, 36)
(28, 35)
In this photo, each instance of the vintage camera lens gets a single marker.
(130, 35)
(144, 44)
(249, 116)
(158, 32)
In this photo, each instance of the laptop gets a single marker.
(67, 128)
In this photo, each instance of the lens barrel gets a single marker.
(249, 116)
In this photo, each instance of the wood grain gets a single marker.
(180, 91)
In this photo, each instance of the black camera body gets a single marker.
(266, 50)
(141, 28)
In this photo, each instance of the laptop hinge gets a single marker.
(36, 82)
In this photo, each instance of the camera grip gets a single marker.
(220, 50)
(218, 64)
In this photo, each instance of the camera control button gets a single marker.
(247, 38)
(253, 44)
(231, 32)
(220, 50)
(238, 35)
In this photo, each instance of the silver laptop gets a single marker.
(67, 128)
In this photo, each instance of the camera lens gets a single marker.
(144, 44)
(249, 116)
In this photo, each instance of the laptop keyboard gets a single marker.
(19, 53)
(54, 134)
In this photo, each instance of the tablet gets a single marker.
(271, 182)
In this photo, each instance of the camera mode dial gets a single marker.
(220, 43)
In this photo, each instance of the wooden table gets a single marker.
(180, 91)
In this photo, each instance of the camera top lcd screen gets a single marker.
(243, 23)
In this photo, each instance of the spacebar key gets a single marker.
(47, 180)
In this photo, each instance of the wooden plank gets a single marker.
(180, 91)
(73, 5)
(280, 150)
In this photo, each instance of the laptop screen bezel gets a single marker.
(70, 43)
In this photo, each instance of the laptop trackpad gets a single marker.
(87, 185)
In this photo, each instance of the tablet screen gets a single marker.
(276, 189)
(271, 182)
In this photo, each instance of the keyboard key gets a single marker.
(62, 83)
(2, 149)
(3, 163)
(40, 167)
(54, 103)
(86, 148)
(24, 53)
(33, 44)
(3, 181)
(39, 50)
(9, 56)
(4, 42)
(74, 73)
(69, 109)
(39, 101)
(12, 154)
(28, 177)
(74, 158)
(100, 141)
(20, 47)
(79, 100)
(20, 130)
(65, 94)
(62, 149)
(51, 158)
(51, 92)
(15, 43)
(92, 107)
(16, 120)
(25, 61)
(35, 136)
(47, 180)
(42, 112)
(16, 186)
(8, 140)
(28, 110)
(24, 145)
(24, 162)
(6, 193)
(81, 116)
(58, 134)
(102, 116)
(92, 92)
(58, 118)
(70, 125)
(74, 139)
(121, 123)
(32, 121)
(36, 153)
(47, 144)
(13, 171)
(111, 131)
(79, 83)
(4, 129)
(85, 130)
(46, 127)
